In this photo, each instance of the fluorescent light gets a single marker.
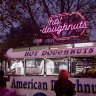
(83, 44)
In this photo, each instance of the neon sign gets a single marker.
(68, 24)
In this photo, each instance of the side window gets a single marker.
(54, 65)
(34, 66)
(83, 67)
(15, 67)
(48, 66)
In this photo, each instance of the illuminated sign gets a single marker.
(65, 26)
(82, 51)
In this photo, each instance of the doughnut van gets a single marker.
(34, 72)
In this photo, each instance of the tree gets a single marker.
(87, 8)
(20, 13)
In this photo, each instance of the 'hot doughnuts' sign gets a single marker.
(65, 26)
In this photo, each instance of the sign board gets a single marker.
(65, 26)
(44, 85)
(81, 51)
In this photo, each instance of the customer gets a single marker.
(3, 90)
(3, 79)
(63, 86)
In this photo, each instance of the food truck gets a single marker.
(34, 72)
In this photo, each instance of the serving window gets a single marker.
(48, 66)
(32, 66)
(83, 67)
(77, 66)
(15, 67)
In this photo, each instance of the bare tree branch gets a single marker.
(46, 8)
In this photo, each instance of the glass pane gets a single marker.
(83, 66)
(54, 65)
(33, 67)
(15, 67)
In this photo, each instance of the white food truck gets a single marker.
(34, 72)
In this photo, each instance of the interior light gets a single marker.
(83, 44)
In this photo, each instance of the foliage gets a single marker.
(21, 20)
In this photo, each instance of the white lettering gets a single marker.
(59, 29)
